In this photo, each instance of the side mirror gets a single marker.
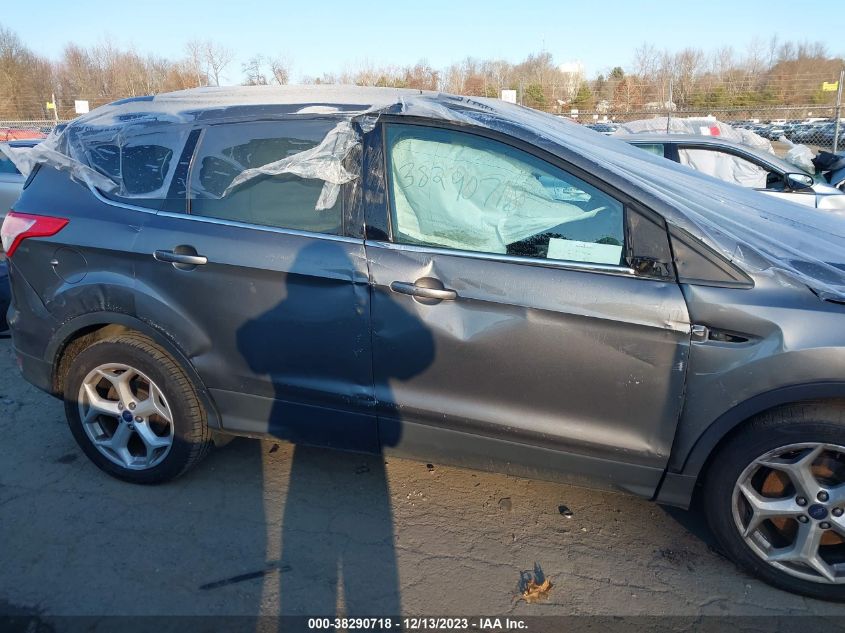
(798, 181)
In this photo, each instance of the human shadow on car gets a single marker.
(337, 551)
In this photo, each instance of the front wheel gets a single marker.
(775, 499)
(134, 411)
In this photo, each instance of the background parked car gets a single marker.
(604, 128)
(744, 166)
(11, 180)
(11, 184)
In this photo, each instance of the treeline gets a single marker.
(774, 73)
(764, 73)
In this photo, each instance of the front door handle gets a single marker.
(189, 259)
(425, 290)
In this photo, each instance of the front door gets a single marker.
(515, 271)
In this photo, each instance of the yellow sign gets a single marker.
(830, 87)
(51, 105)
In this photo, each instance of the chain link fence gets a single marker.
(31, 129)
(809, 125)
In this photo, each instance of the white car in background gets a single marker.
(742, 165)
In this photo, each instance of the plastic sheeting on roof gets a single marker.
(703, 126)
(759, 233)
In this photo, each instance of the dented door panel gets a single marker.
(582, 362)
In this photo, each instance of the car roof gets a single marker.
(726, 217)
(30, 142)
(714, 141)
(225, 102)
(653, 137)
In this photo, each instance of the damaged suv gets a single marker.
(456, 279)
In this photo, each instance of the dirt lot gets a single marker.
(261, 528)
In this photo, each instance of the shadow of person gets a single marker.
(336, 553)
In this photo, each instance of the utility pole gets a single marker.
(669, 108)
(56, 109)
(838, 111)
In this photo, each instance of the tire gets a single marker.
(790, 438)
(173, 422)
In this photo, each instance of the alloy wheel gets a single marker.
(788, 506)
(126, 416)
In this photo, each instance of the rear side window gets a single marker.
(283, 201)
(456, 190)
(7, 166)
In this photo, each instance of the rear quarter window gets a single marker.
(142, 163)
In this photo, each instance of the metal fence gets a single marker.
(809, 125)
(19, 130)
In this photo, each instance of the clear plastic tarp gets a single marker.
(759, 233)
(702, 126)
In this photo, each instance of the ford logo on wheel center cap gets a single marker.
(127, 416)
(818, 512)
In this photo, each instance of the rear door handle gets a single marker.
(426, 289)
(180, 258)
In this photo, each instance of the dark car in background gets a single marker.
(450, 278)
(11, 185)
(603, 128)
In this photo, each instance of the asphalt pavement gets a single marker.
(269, 528)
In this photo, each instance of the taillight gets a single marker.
(19, 226)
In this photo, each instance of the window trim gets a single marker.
(518, 145)
(564, 264)
(334, 237)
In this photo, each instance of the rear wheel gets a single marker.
(133, 411)
(775, 499)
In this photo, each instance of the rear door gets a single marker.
(268, 294)
(517, 272)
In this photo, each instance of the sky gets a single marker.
(319, 36)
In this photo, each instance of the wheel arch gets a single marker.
(97, 325)
(684, 473)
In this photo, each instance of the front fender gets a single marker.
(678, 485)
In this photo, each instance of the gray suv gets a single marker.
(455, 279)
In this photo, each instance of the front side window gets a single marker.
(725, 166)
(456, 190)
(284, 201)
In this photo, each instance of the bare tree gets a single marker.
(217, 57)
(280, 70)
(254, 71)
(196, 59)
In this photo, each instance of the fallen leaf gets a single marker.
(534, 592)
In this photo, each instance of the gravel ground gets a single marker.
(261, 528)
